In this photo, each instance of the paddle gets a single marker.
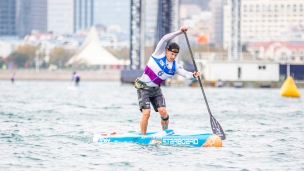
(216, 127)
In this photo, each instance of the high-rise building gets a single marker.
(83, 14)
(22, 17)
(38, 15)
(217, 21)
(271, 20)
(8, 18)
(31, 16)
(60, 16)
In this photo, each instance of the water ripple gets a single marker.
(51, 128)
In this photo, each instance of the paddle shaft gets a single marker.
(215, 126)
(199, 79)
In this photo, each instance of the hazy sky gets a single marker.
(113, 12)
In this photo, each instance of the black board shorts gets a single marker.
(153, 96)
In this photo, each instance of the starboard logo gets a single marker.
(180, 141)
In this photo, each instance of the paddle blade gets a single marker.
(216, 128)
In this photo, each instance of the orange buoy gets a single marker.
(213, 141)
(289, 88)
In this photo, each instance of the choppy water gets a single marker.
(45, 126)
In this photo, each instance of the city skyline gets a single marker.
(67, 17)
(22, 17)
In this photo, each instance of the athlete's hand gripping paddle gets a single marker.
(216, 127)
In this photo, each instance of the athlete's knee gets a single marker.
(162, 111)
(146, 113)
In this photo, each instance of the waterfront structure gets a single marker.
(92, 53)
(264, 21)
(294, 70)
(241, 71)
(217, 66)
(282, 52)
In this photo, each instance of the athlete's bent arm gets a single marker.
(189, 75)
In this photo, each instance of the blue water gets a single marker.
(47, 125)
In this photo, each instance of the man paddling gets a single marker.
(161, 65)
(76, 78)
(13, 78)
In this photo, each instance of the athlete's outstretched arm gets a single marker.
(161, 46)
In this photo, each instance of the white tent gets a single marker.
(92, 53)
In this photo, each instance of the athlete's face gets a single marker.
(170, 55)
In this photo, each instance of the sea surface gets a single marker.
(49, 125)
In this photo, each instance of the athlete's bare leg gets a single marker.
(144, 121)
(163, 113)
